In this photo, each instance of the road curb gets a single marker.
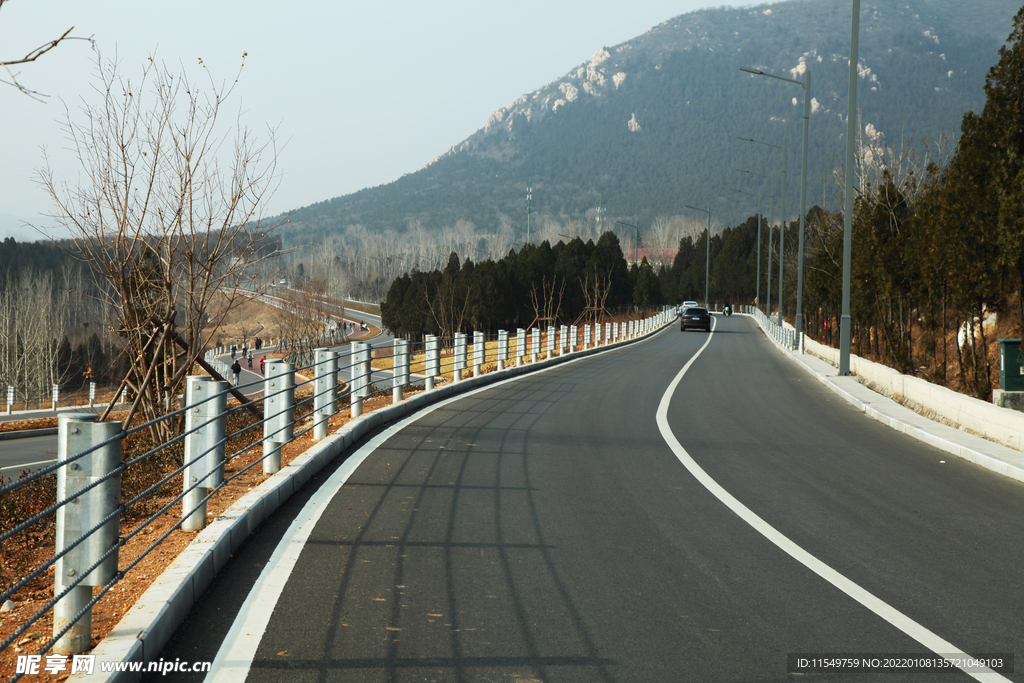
(143, 632)
(988, 454)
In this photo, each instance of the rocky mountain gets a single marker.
(643, 128)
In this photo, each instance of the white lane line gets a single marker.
(236, 653)
(29, 464)
(901, 621)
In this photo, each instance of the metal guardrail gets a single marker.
(784, 336)
(52, 398)
(90, 464)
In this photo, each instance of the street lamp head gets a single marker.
(756, 72)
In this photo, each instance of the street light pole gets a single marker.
(757, 282)
(806, 85)
(846, 322)
(799, 322)
(782, 225)
(707, 254)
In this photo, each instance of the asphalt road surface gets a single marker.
(546, 529)
(30, 454)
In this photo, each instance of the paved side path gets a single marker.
(988, 454)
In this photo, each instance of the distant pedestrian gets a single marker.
(233, 350)
(236, 370)
(250, 360)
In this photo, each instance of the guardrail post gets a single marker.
(56, 396)
(573, 338)
(10, 399)
(586, 336)
(563, 340)
(534, 344)
(365, 370)
(502, 348)
(77, 433)
(549, 345)
(325, 400)
(205, 427)
(92, 394)
(400, 367)
(479, 353)
(432, 361)
(278, 411)
(460, 356)
(520, 346)
(355, 395)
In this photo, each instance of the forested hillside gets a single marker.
(645, 127)
(938, 258)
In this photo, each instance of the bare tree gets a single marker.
(166, 217)
(547, 303)
(499, 243)
(596, 286)
(34, 315)
(660, 239)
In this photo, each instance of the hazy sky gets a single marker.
(361, 92)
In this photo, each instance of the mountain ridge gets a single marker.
(646, 126)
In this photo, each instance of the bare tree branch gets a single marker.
(32, 56)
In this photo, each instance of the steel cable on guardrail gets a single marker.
(440, 357)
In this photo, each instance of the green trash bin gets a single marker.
(1011, 374)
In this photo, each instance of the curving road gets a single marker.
(548, 529)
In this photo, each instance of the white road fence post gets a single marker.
(479, 353)
(278, 411)
(205, 427)
(401, 370)
(77, 433)
(432, 361)
(460, 355)
(502, 348)
(325, 399)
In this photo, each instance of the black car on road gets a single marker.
(695, 317)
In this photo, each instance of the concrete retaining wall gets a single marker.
(981, 417)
